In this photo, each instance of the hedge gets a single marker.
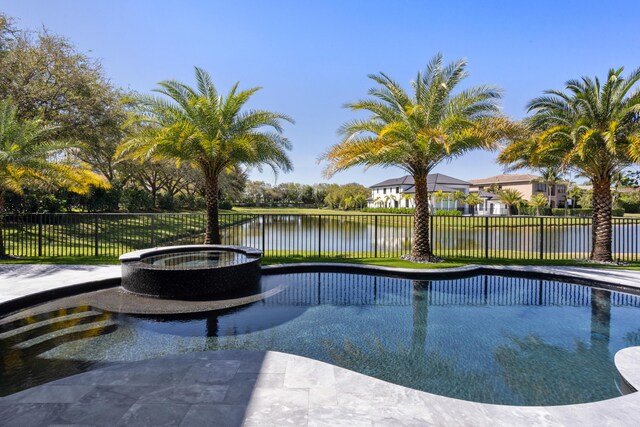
(442, 212)
(583, 212)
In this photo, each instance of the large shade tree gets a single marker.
(49, 79)
(592, 127)
(416, 131)
(30, 157)
(211, 131)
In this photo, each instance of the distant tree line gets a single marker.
(347, 197)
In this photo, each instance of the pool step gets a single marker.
(34, 335)
(31, 332)
(46, 317)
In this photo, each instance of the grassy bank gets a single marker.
(385, 262)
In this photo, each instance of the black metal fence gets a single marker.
(349, 236)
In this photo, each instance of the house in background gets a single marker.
(526, 184)
(491, 204)
(400, 192)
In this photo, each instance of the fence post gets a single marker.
(431, 227)
(541, 237)
(319, 236)
(95, 234)
(39, 234)
(486, 237)
(153, 230)
(375, 237)
(263, 232)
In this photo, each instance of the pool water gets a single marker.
(493, 339)
(194, 260)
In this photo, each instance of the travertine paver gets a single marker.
(329, 396)
(18, 280)
(270, 388)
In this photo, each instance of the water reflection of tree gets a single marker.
(532, 367)
(414, 365)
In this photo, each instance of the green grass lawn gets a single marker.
(449, 262)
(75, 235)
(386, 262)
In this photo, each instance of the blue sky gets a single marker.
(311, 57)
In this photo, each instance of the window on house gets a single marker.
(384, 191)
(540, 187)
(397, 189)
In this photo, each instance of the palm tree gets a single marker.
(407, 197)
(550, 176)
(473, 200)
(210, 131)
(29, 157)
(538, 201)
(418, 131)
(592, 128)
(510, 197)
(457, 196)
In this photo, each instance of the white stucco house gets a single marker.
(491, 204)
(400, 193)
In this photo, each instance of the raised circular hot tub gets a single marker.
(193, 272)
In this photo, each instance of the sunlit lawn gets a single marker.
(386, 262)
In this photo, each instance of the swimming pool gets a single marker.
(485, 338)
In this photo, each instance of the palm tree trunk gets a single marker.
(601, 224)
(421, 250)
(212, 231)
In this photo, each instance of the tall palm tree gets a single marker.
(592, 128)
(510, 197)
(550, 176)
(210, 131)
(29, 157)
(418, 131)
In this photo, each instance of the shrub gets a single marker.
(190, 202)
(572, 212)
(33, 201)
(617, 212)
(225, 204)
(166, 202)
(630, 202)
(530, 210)
(136, 200)
(442, 212)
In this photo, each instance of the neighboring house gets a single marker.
(400, 192)
(526, 184)
(491, 205)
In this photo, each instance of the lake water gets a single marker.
(335, 235)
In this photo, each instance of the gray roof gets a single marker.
(432, 179)
(485, 194)
(433, 187)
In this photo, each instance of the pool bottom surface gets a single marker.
(488, 339)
